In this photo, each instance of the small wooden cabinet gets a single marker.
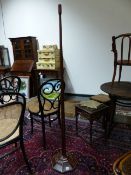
(25, 58)
(24, 48)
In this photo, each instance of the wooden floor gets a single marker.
(76, 97)
(70, 102)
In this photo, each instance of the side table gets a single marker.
(92, 114)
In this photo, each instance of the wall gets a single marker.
(88, 26)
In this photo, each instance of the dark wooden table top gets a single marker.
(120, 90)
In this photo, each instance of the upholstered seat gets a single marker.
(91, 110)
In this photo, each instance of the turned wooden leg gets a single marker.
(120, 70)
(24, 155)
(59, 119)
(114, 74)
(111, 116)
(43, 131)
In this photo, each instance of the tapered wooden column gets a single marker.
(62, 161)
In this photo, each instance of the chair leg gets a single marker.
(120, 70)
(43, 131)
(31, 119)
(15, 144)
(24, 155)
(104, 123)
(49, 121)
(114, 74)
(59, 120)
(111, 115)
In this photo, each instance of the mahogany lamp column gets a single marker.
(62, 161)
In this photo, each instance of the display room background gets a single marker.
(88, 26)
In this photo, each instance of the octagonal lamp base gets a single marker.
(62, 163)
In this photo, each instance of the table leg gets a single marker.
(111, 114)
(105, 121)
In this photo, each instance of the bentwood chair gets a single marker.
(46, 106)
(122, 165)
(11, 123)
(10, 83)
(121, 47)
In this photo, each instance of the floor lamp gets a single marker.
(62, 161)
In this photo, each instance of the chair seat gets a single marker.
(33, 106)
(123, 165)
(124, 62)
(9, 124)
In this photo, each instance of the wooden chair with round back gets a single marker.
(11, 123)
(10, 83)
(46, 106)
(121, 47)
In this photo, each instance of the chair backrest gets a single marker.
(49, 95)
(121, 46)
(11, 117)
(10, 84)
